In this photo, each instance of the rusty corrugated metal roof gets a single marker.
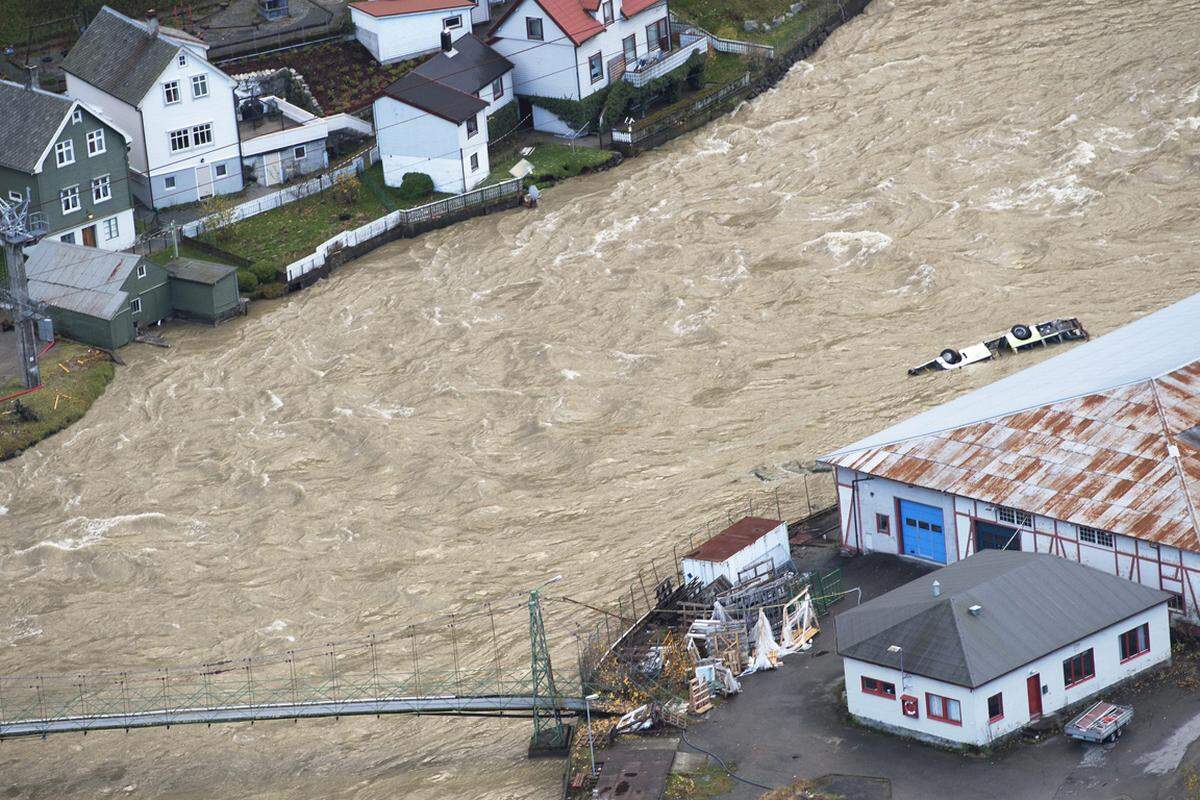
(741, 534)
(1104, 460)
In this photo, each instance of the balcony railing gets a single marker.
(659, 62)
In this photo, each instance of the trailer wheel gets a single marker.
(950, 356)
(1021, 332)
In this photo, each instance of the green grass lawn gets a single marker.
(725, 17)
(724, 68)
(392, 198)
(551, 160)
(185, 251)
(73, 376)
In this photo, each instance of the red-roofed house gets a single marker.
(570, 49)
(394, 30)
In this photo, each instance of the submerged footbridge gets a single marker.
(367, 676)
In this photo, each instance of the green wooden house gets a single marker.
(98, 297)
(203, 290)
(71, 163)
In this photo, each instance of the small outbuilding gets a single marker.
(975, 651)
(748, 547)
(98, 297)
(203, 290)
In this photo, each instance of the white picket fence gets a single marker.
(722, 45)
(289, 194)
(410, 216)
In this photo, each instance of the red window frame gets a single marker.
(1128, 641)
(945, 705)
(1086, 671)
(999, 715)
(880, 688)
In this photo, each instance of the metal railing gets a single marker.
(640, 74)
(645, 128)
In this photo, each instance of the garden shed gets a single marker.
(204, 291)
(750, 546)
(97, 297)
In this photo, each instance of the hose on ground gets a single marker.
(728, 771)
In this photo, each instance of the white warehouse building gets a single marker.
(1093, 455)
(974, 652)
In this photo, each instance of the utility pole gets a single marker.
(18, 229)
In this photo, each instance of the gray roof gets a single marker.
(1032, 605)
(436, 98)
(86, 280)
(1144, 349)
(473, 66)
(198, 271)
(118, 56)
(29, 119)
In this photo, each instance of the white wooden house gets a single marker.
(750, 546)
(1093, 455)
(570, 49)
(395, 30)
(433, 120)
(177, 108)
(974, 652)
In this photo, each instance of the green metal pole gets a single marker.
(550, 735)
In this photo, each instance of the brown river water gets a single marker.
(563, 391)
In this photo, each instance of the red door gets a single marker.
(1034, 686)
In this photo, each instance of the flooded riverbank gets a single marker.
(562, 391)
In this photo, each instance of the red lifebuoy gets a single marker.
(908, 704)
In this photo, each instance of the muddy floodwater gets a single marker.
(563, 391)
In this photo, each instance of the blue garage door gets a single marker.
(922, 531)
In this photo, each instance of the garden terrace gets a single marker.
(343, 76)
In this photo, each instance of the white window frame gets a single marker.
(1095, 536)
(498, 88)
(541, 37)
(184, 135)
(473, 120)
(220, 170)
(596, 62)
(77, 116)
(135, 306)
(182, 60)
(16, 197)
(169, 182)
(141, 271)
(207, 129)
(202, 80)
(474, 162)
(299, 152)
(97, 138)
(64, 153)
(456, 20)
(68, 196)
(606, 10)
(112, 228)
(169, 88)
(1012, 516)
(102, 182)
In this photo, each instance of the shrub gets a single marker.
(502, 122)
(345, 189)
(247, 280)
(415, 185)
(218, 214)
(264, 273)
(575, 113)
(616, 106)
(696, 65)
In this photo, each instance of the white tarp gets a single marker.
(766, 650)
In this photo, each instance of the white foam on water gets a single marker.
(343, 412)
(920, 281)
(632, 358)
(3, 510)
(391, 412)
(276, 403)
(277, 627)
(93, 531)
(1066, 122)
(851, 246)
(570, 374)
(692, 322)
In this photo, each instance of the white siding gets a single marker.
(541, 69)
(773, 543)
(411, 140)
(976, 728)
(123, 115)
(506, 97)
(610, 43)
(125, 231)
(407, 35)
(160, 119)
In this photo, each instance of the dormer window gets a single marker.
(182, 60)
(77, 116)
(608, 11)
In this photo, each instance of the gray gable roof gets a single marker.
(29, 119)
(118, 56)
(436, 98)
(198, 271)
(86, 280)
(1032, 605)
(473, 65)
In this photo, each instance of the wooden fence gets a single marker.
(400, 224)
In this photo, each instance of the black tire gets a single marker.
(1021, 332)
(950, 356)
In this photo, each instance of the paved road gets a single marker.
(791, 723)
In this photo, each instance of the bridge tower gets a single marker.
(551, 736)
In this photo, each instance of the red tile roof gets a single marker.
(631, 7)
(391, 8)
(738, 536)
(590, 5)
(568, 15)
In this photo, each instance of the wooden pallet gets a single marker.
(701, 697)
